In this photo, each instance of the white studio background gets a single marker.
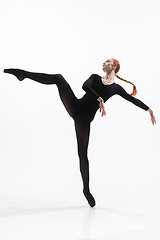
(38, 156)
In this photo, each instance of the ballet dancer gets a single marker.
(98, 90)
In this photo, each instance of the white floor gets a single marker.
(28, 219)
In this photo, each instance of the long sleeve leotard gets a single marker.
(81, 110)
(95, 88)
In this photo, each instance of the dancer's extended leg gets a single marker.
(66, 94)
(82, 129)
(82, 133)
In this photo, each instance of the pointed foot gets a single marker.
(16, 72)
(89, 198)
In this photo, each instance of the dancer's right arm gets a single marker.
(101, 106)
(87, 86)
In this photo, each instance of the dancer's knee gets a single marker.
(60, 80)
(59, 76)
(82, 155)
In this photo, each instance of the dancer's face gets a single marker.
(108, 65)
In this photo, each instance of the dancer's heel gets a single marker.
(20, 74)
(89, 198)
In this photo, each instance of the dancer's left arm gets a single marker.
(137, 102)
(153, 119)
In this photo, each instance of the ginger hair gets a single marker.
(117, 64)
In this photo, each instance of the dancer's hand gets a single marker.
(153, 119)
(101, 106)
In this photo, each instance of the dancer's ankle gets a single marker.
(89, 197)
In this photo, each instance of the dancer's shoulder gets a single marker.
(95, 75)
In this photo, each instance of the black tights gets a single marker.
(82, 128)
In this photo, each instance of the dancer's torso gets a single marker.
(87, 106)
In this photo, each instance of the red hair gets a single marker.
(117, 64)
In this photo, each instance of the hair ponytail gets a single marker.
(117, 64)
(134, 92)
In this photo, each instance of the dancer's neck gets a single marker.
(109, 78)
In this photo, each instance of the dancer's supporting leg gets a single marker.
(82, 130)
(66, 94)
(82, 133)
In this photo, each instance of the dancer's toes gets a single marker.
(16, 72)
(89, 198)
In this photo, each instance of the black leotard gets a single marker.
(94, 89)
(81, 110)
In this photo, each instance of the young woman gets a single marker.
(98, 90)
